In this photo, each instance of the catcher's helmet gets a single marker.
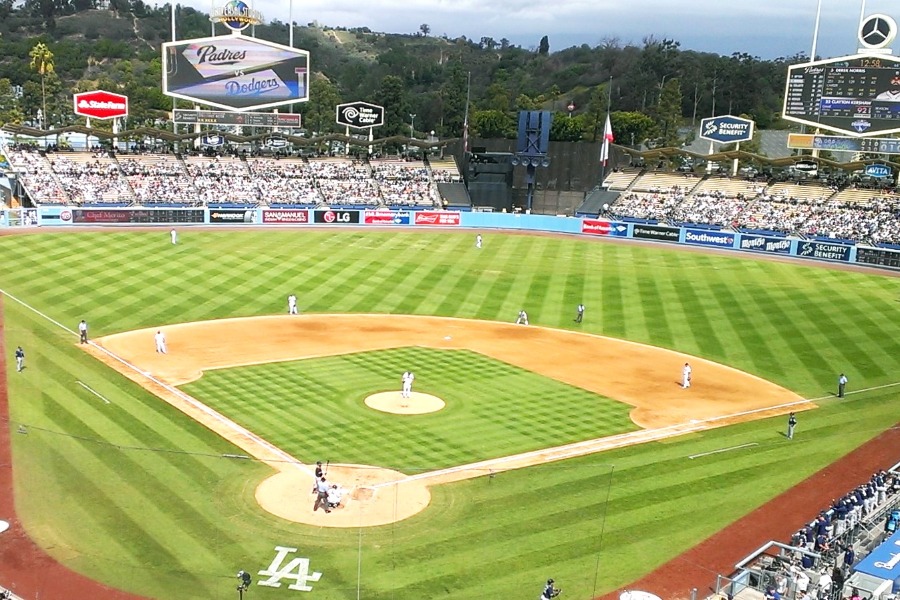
(549, 582)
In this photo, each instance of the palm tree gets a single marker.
(42, 62)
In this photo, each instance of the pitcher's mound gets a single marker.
(416, 404)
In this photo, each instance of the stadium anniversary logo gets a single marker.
(236, 15)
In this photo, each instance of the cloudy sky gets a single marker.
(765, 28)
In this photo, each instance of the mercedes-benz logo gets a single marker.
(877, 31)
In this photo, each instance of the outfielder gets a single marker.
(686, 376)
(407, 380)
(478, 241)
(160, 339)
(174, 235)
(523, 318)
(20, 359)
(292, 304)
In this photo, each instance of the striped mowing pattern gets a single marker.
(137, 496)
(314, 408)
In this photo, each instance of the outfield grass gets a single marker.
(134, 494)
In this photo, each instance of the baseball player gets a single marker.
(478, 241)
(550, 591)
(686, 376)
(842, 382)
(82, 331)
(174, 235)
(523, 318)
(20, 359)
(292, 304)
(579, 313)
(160, 339)
(792, 422)
(407, 380)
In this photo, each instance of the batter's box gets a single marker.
(363, 493)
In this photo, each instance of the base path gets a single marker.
(644, 377)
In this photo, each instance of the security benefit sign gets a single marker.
(602, 227)
(823, 251)
(703, 237)
(726, 129)
(235, 72)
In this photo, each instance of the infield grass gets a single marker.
(136, 495)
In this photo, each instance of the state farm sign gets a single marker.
(101, 105)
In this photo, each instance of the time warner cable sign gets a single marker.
(359, 114)
(726, 129)
(235, 72)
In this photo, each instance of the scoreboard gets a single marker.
(858, 95)
(249, 119)
(878, 256)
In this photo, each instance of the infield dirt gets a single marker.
(644, 377)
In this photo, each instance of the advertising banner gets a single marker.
(285, 216)
(823, 251)
(100, 104)
(436, 217)
(704, 237)
(602, 227)
(231, 215)
(336, 217)
(386, 217)
(359, 115)
(761, 243)
(657, 232)
(726, 129)
(86, 216)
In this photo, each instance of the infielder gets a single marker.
(82, 331)
(160, 338)
(842, 383)
(686, 376)
(579, 315)
(407, 380)
(523, 318)
(20, 359)
(292, 304)
(174, 235)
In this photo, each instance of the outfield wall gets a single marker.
(690, 236)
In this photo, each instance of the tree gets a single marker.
(631, 128)
(42, 62)
(425, 29)
(493, 123)
(544, 47)
(9, 106)
(566, 128)
(392, 95)
(323, 97)
(668, 112)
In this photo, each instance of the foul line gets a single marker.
(193, 402)
(693, 456)
(550, 454)
(93, 391)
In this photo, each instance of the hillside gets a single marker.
(657, 85)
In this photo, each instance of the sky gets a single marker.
(765, 28)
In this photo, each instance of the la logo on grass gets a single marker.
(297, 570)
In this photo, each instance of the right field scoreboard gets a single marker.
(857, 95)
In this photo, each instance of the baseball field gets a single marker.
(559, 449)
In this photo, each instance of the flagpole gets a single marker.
(605, 140)
(466, 117)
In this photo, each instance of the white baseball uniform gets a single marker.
(174, 235)
(686, 376)
(292, 304)
(407, 380)
(160, 338)
(523, 318)
(478, 241)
